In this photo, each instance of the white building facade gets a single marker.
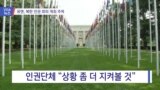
(80, 32)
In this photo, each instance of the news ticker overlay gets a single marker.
(81, 76)
(11, 11)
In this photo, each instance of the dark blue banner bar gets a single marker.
(6, 11)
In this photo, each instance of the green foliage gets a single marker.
(144, 22)
(16, 25)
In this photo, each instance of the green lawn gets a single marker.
(80, 59)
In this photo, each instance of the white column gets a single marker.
(42, 37)
(22, 37)
(34, 36)
(138, 33)
(156, 32)
(10, 38)
(3, 43)
(150, 30)
(126, 32)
